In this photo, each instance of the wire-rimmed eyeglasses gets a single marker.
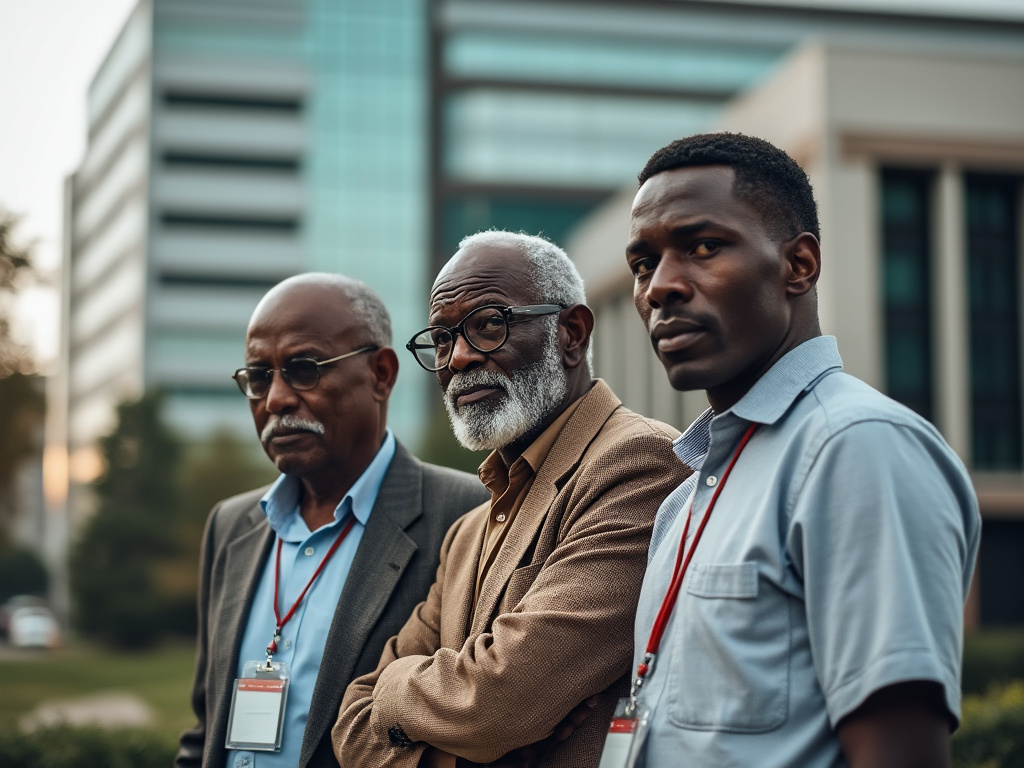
(300, 373)
(485, 329)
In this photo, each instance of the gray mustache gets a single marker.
(276, 424)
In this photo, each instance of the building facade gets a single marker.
(917, 160)
(232, 144)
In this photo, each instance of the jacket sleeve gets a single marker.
(420, 636)
(192, 742)
(568, 638)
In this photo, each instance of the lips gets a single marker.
(475, 395)
(676, 334)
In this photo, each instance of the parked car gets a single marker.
(29, 623)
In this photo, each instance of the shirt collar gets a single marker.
(793, 374)
(769, 398)
(281, 503)
(493, 473)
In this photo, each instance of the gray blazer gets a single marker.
(392, 571)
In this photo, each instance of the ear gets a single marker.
(803, 262)
(575, 326)
(384, 365)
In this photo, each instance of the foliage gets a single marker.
(216, 469)
(992, 734)
(21, 396)
(16, 271)
(992, 656)
(439, 446)
(21, 573)
(113, 564)
(65, 746)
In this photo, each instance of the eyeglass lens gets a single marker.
(301, 373)
(485, 329)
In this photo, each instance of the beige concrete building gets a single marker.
(917, 160)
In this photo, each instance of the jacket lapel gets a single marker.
(244, 560)
(383, 554)
(575, 436)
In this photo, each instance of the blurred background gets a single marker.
(163, 163)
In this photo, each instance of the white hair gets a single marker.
(531, 394)
(555, 278)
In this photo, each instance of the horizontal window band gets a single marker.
(232, 101)
(231, 161)
(229, 222)
(191, 280)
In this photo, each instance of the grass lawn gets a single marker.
(161, 677)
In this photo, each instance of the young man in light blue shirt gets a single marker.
(828, 534)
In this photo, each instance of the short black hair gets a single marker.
(767, 179)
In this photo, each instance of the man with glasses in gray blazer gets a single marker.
(302, 582)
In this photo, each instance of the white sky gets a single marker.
(49, 51)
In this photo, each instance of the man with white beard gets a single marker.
(522, 648)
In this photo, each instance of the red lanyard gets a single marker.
(679, 570)
(272, 646)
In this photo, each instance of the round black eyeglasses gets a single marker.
(300, 373)
(485, 329)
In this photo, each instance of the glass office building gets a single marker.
(232, 144)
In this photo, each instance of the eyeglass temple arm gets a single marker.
(536, 309)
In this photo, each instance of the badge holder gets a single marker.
(627, 734)
(256, 719)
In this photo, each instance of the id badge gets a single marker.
(627, 734)
(256, 719)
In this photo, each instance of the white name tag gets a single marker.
(256, 720)
(624, 743)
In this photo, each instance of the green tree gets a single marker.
(21, 395)
(222, 466)
(115, 562)
(21, 573)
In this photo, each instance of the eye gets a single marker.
(643, 266)
(703, 248)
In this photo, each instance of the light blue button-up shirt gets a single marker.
(836, 562)
(302, 638)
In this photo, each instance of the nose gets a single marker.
(669, 283)
(464, 356)
(280, 397)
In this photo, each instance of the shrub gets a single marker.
(992, 734)
(992, 656)
(21, 573)
(65, 746)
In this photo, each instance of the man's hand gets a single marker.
(527, 756)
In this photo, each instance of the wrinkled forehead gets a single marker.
(310, 310)
(497, 274)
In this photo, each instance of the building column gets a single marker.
(950, 318)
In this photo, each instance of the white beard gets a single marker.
(532, 393)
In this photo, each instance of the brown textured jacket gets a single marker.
(554, 620)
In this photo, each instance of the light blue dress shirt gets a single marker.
(836, 562)
(302, 638)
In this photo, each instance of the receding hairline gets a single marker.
(364, 301)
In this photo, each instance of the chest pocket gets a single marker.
(518, 585)
(732, 655)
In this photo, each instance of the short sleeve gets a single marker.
(883, 533)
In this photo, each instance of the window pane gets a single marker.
(906, 257)
(992, 255)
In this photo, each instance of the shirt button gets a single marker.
(287, 644)
(500, 518)
(242, 761)
(712, 480)
(308, 551)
